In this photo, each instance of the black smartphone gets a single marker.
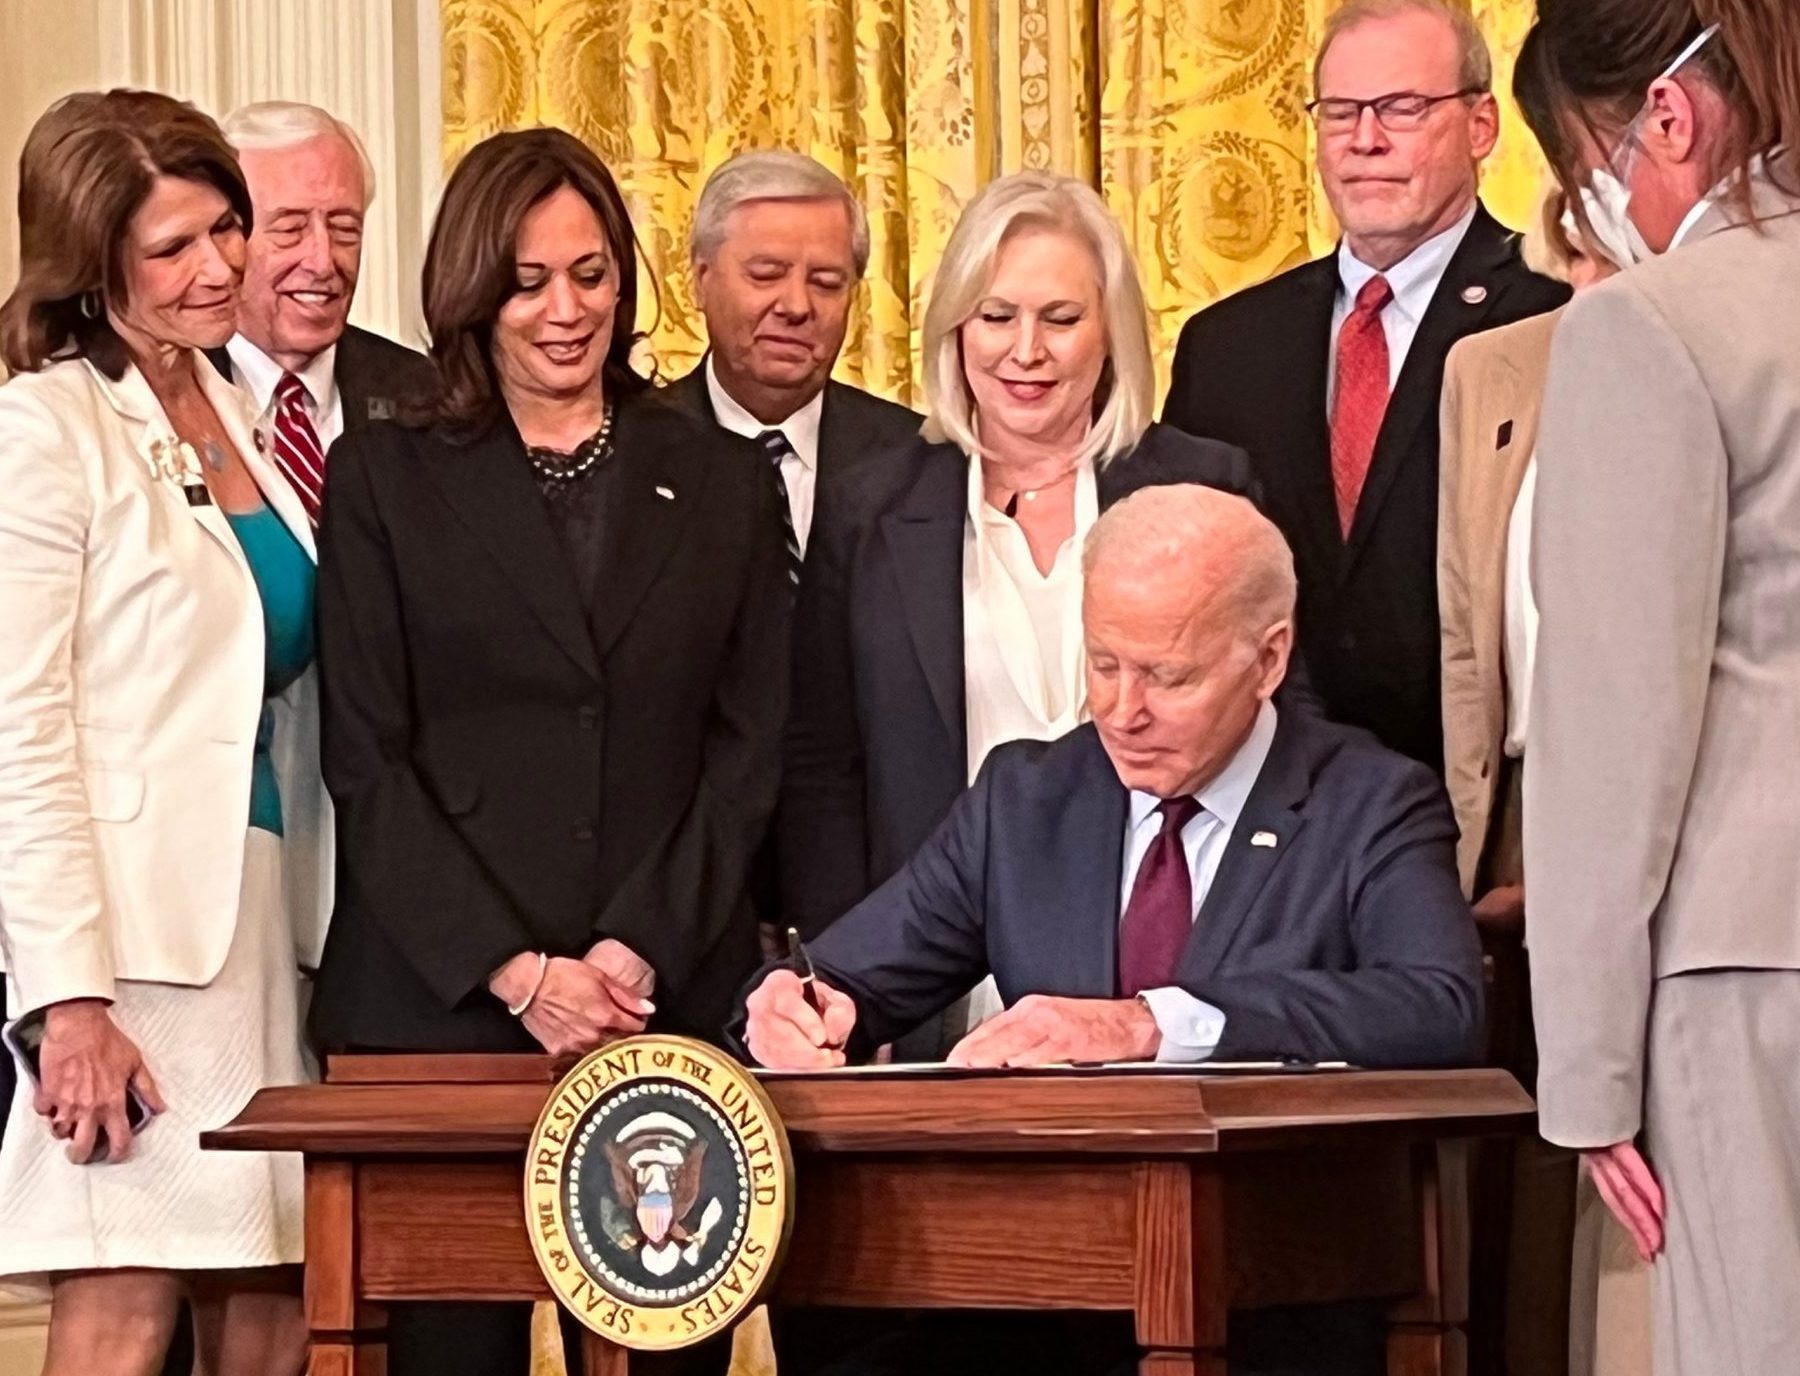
(24, 1037)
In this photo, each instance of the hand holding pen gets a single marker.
(797, 1021)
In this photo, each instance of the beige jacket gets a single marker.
(1493, 388)
(1662, 788)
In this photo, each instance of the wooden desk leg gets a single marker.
(347, 1338)
(602, 1358)
(1180, 1280)
(1425, 1334)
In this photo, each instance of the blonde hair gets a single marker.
(1127, 392)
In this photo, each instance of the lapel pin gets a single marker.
(1265, 839)
(1474, 295)
(665, 494)
(380, 408)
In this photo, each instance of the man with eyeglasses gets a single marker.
(1329, 374)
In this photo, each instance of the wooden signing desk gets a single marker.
(1171, 1196)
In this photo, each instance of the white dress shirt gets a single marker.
(1190, 1027)
(1519, 639)
(800, 469)
(259, 375)
(1024, 668)
(1414, 280)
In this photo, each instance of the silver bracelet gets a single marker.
(517, 1010)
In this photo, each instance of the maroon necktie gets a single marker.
(1359, 397)
(1160, 916)
(298, 453)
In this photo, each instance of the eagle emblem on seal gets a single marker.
(656, 1162)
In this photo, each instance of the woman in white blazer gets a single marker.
(155, 595)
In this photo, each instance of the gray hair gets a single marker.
(1475, 65)
(1209, 541)
(771, 174)
(271, 125)
(1037, 200)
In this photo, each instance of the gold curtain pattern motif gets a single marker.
(1185, 114)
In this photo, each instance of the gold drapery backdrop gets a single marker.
(1185, 114)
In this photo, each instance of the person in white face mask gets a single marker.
(1660, 814)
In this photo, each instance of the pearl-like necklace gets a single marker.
(554, 466)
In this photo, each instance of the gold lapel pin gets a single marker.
(1266, 839)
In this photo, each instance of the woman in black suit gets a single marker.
(553, 644)
(940, 613)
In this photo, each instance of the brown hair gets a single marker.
(1587, 65)
(88, 166)
(470, 269)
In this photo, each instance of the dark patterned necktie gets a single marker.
(776, 446)
(298, 453)
(1160, 916)
(1359, 397)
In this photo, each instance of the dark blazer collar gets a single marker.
(1472, 286)
(1308, 378)
(1264, 835)
(924, 533)
(688, 394)
(486, 478)
(653, 496)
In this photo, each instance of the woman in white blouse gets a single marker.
(1526, 1201)
(940, 610)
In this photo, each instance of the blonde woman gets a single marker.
(941, 612)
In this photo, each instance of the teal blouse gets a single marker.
(285, 580)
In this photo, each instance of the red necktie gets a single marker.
(298, 453)
(1359, 397)
(1159, 919)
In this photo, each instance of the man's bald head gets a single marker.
(1214, 546)
(1187, 609)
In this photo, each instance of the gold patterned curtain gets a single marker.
(1186, 114)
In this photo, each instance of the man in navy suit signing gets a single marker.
(1191, 875)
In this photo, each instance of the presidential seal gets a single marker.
(658, 1191)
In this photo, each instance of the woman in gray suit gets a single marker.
(1660, 812)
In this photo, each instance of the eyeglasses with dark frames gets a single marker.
(1399, 113)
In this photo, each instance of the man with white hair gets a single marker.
(312, 373)
(1193, 874)
(778, 247)
(1329, 374)
(1190, 874)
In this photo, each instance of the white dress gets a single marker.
(170, 1205)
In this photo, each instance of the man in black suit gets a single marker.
(1329, 374)
(312, 373)
(1192, 875)
(779, 245)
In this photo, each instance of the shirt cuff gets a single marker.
(1190, 1027)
